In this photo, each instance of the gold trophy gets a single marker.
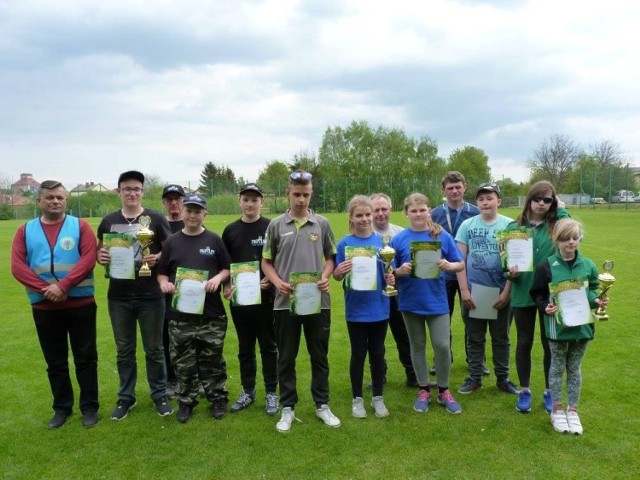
(387, 254)
(606, 280)
(145, 237)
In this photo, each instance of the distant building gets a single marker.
(81, 189)
(26, 184)
(635, 171)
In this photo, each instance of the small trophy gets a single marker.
(387, 254)
(145, 237)
(606, 281)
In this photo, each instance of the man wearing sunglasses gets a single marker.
(300, 241)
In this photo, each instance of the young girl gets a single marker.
(366, 308)
(542, 209)
(422, 296)
(565, 269)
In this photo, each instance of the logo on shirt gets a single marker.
(258, 242)
(313, 237)
(67, 243)
(207, 252)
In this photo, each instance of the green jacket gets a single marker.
(542, 248)
(555, 270)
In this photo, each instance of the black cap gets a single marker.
(173, 189)
(195, 199)
(131, 175)
(488, 187)
(250, 187)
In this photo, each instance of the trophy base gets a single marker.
(390, 293)
(144, 272)
(601, 318)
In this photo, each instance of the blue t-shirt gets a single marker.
(420, 295)
(483, 257)
(364, 306)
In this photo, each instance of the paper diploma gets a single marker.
(245, 280)
(120, 246)
(364, 268)
(484, 298)
(520, 254)
(574, 308)
(306, 298)
(190, 294)
(425, 257)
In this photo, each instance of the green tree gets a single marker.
(216, 179)
(473, 163)
(273, 178)
(554, 159)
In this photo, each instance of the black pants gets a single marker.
(56, 330)
(255, 322)
(316, 333)
(367, 337)
(525, 318)
(399, 332)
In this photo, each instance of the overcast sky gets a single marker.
(90, 88)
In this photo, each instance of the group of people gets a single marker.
(168, 273)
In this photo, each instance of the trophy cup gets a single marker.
(606, 280)
(387, 254)
(145, 237)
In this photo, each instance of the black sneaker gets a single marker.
(219, 408)
(163, 407)
(469, 386)
(57, 420)
(89, 418)
(508, 387)
(244, 400)
(185, 410)
(122, 409)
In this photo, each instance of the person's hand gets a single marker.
(551, 309)
(404, 269)
(284, 288)
(602, 302)
(390, 279)
(151, 259)
(514, 272)
(344, 268)
(103, 257)
(265, 284)
(503, 301)
(323, 285)
(467, 299)
(212, 284)
(54, 293)
(167, 288)
(227, 291)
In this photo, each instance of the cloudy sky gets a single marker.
(90, 88)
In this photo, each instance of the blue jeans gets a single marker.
(149, 314)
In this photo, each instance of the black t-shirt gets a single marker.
(176, 226)
(244, 242)
(144, 287)
(200, 252)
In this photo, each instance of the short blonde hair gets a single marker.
(566, 229)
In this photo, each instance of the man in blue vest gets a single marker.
(53, 257)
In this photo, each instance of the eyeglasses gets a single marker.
(492, 187)
(299, 175)
(546, 200)
(129, 190)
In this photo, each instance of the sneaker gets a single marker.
(185, 410)
(244, 400)
(324, 413)
(559, 421)
(123, 407)
(523, 404)
(445, 398)
(287, 418)
(422, 402)
(219, 408)
(89, 418)
(469, 386)
(379, 407)
(58, 420)
(163, 407)
(508, 386)
(573, 420)
(548, 403)
(271, 406)
(357, 408)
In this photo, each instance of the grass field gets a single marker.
(490, 439)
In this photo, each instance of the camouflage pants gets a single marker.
(196, 353)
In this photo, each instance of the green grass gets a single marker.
(488, 440)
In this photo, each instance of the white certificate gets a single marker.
(191, 295)
(121, 266)
(484, 298)
(247, 288)
(307, 299)
(364, 273)
(574, 307)
(520, 254)
(426, 264)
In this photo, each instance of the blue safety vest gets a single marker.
(53, 264)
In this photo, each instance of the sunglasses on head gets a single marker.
(300, 176)
(546, 200)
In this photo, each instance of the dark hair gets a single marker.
(49, 185)
(453, 177)
(539, 189)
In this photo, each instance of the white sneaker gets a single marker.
(575, 426)
(287, 418)
(559, 421)
(357, 408)
(329, 419)
(379, 407)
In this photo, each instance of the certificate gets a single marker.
(120, 246)
(306, 298)
(424, 258)
(573, 303)
(364, 268)
(190, 293)
(516, 249)
(245, 280)
(484, 298)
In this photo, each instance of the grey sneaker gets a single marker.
(163, 407)
(357, 408)
(287, 418)
(271, 406)
(325, 414)
(244, 400)
(379, 407)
